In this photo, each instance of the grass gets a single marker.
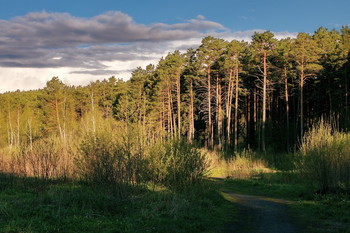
(315, 212)
(239, 166)
(33, 205)
(29, 205)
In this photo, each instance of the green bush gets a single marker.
(326, 157)
(109, 159)
(176, 163)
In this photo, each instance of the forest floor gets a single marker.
(261, 215)
(277, 203)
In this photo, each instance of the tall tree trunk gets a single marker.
(170, 118)
(252, 112)
(264, 104)
(346, 97)
(191, 114)
(210, 125)
(143, 112)
(93, 111)
(236, 107)
(302, 77)
(58, 118)
(10, 132)
(287, 104)
(219, 110)
(229, 108)
(178, 106)
(18, 129)
(161, 117)
(30, 134)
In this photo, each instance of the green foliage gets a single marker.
(78, 207)
(106, 159)
(326, 157)
(176, 163)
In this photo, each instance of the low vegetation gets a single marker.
(34, 205)
(326, 158)
(243, 165)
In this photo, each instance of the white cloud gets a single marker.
(38, 46)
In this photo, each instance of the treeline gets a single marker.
(262, 94)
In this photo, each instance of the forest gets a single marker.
(266, 99)
(229, 95)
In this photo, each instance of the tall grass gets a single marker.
(326, 157)
(46, 158)
(128, 159)
(241, 165)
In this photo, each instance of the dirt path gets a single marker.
(259, 215)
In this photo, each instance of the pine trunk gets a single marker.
(264, 105)
(229, 108)
(236, 107)
(302, 77)
(191, 114)
(210, 125)
(178, 106)
(287, 105)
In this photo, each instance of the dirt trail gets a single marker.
(261, 215)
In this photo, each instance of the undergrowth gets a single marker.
(33, 205)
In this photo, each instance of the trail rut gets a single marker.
(261, 215)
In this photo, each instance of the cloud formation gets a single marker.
(44, 39)
(104, 45)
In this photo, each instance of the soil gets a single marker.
(262, 215)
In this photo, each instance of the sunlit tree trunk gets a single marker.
(93, 119)
(178, 97)
(219, 116)
(236, 107)
(210, 125)
(263, 127)
(302, 77)
(287, 104)
(228, 107)
(191, 114)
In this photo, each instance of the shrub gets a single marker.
(326, 157)
(176, 163)
(110, 160)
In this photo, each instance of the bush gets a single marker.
(176, 163)
(108, 160)
(326, 157)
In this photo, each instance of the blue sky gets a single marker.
(275, 15)
(81, 41)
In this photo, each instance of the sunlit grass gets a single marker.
(241, 165)
(326, 158)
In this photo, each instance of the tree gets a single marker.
(305, 55)
(208, 54)
(283, 62)
(189, 74)
(232, 65)
(56, 99)
(263, 44)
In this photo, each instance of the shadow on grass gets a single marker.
(314, 212)
(35, 205)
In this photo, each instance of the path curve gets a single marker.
(262, 215)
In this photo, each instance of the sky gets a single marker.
(82, 41)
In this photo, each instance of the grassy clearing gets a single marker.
(33, 205)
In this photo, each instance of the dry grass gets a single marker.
(242, 165)
(326, 157)
(48, 158)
